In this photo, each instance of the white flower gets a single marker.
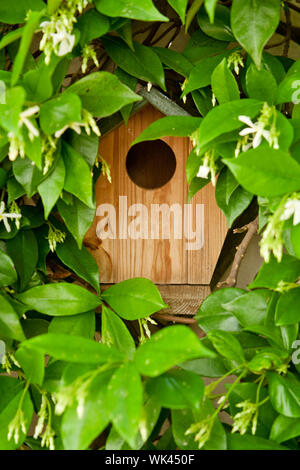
(292, 207)
(203, 171)
(4, 216)
(257, 128)
(23, 119)
(63, 42)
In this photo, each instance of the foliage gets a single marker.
(245, 129)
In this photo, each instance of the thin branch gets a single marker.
(175, 318)
(288, 32)
(251, 229)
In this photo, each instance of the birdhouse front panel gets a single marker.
(144, 226)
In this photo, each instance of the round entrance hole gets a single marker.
(151, 164)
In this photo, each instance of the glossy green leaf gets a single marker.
(178, 126)
(210, 6)
(86, 145)
(8, 274)
(136, 9)
(134, 298)
(168, 347)
(78, 218)
(180, 7)
(174, 60)
(17, 10)
(23, 250)
(73, 349)
(227, 345)
(266, 173)
(80, 261)
(9, 321)
(237, 204)
(249, 442)
(285, 428)
(51, 187)
(284, 393)
(125, 395)
(224, 85)
(27, 175)
(177, 389)
(102, 94)
(270, 274)
(60, 112)
(253, 23)
(287, 310)
(261, 85)
(59, 299)
(220, 27)
(75, 165)
(115, 332)
(250, 308)
(78, 433)
(75, 325)
(212, 313)
(201, 74)
(32, 362)
(92, 25)
(142, 63)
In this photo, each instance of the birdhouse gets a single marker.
(144, 226)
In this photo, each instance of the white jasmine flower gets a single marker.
(203, 171)
(4, 216)
(255, 128)
(202, 430)
(244, 418)
(88, 122)
(17, 424)
(23, 120)
(149, 86)
(208, 167)
(292, 207)
(63, 42)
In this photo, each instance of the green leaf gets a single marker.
(59, 112)
(237, 204)
(9, 321)
(177, 389)
(212, 313)
(270, 274)
(227, 345)
(51, 187)
(33, 19)
(78, 434)
(266, 173)
(142, 63)
(134, 298)
(261, 84)
(180, 7)
(284, 429)
(102, 94)
(224, 85)
(255, 302)
(168, 347)
(92, 25)
(32, 362)
(115, 332)
(38, 83)
(125, 396)
(80, 261)
(23, 250)
(206, 367)
(75, 325)
(73, 349)
(27, 174)
(287, 310)
(289, 87)
(77, 217)
(76, 165)
(249, 442)
(253, 23)
(183, 419)
(86, 145)
(8, 273)
(11, 393)
(220, 27)
(17, 10)
(174, 60)
(225, 118)
(201, 46)
(285, 394)
(210, 7)
(178, 126)
(131, 82)
(136, 9)
(201, 74)
(59, 299)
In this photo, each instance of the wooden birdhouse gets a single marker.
(144, 226)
